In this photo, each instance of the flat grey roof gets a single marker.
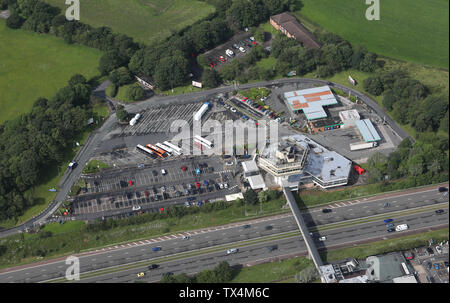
(256, 182)
(250, 166)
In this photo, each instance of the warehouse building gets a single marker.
(367, 131)
(325, 124)
(311, 101)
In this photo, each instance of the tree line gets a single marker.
(221, 273)
(409, 101)
(35, 141)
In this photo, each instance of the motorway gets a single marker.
(349, 222)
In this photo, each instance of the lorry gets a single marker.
(362, 145)
(401, 227)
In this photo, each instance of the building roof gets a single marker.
(385, 268)
(256, 182)
(299, 32)
(282, 18)
(405, 279)
(349, 115)
(296, 29)
(326, 122)
(367, 130)
(311, 101)
(250, 166)
(233, 197)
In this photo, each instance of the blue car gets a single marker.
(157, 248)
(388, 220)
(206, 183)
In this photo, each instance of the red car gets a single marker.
(222, 59)
(130, 182)
(245, 99)
(147, 193)
(197, 185)
(183, 168)
(212, 64)
(259, 107)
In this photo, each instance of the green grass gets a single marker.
(80, 239)
(143, 20)
(33, 66)
(394, 244)
(414, 31)
(94, 166)
(65, 227)
(267, 63)
(273, 271)
(255, 93)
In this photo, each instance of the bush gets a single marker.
(307, 275)
(135, 92)
(14, 21)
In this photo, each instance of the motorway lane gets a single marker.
(286, 223)
(258, 252)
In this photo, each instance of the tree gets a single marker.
(369, 63)
(111, 60)
(307, 275)
(120, 76)
(373, 85)
(263, 196)
(389, 99)
(14, 21)
(250, 197)
(210, 78)
(121, 113)
(260, 35)
(135, 92)
(111, 90)
(377, 167)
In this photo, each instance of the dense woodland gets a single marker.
(32, 143)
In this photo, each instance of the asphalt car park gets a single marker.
(160, 119)
(113, 191)
(217, 57)
(432, 262)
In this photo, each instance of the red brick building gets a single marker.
(288, 25)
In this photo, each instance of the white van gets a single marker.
(163, 171)
(401, 227)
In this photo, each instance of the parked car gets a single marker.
(136, 207)
(430, 251)
(322, 238)
(222, 59)
(442, 189)
(428, 264)
(235, 46)
(246, 226)
(436, 266)
(241, 49)
(197, 185)
(439, 249)
(154, 172)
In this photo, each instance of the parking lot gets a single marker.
(430, 264)
(157, 120)
(147, 187)
(217, 56)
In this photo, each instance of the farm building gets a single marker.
(288, 25)
(311, 101)
(349, 118)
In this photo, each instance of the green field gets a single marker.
(414, 31)
(144, 20)
(33, 66)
